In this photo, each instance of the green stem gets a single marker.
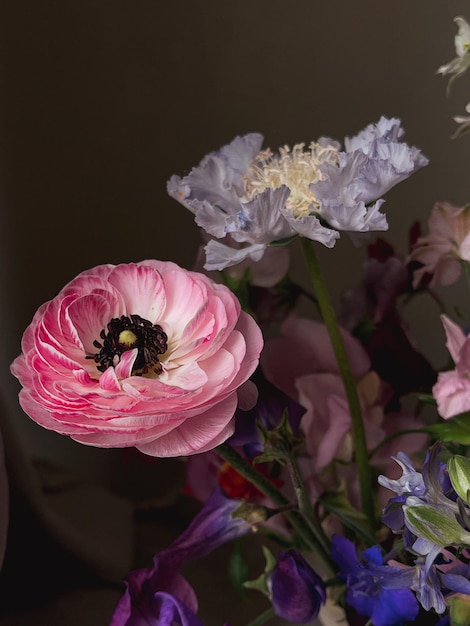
(304, 531)
(466, 269)
(393, 436)
(305, 505)
(359, 439)
(263, 618)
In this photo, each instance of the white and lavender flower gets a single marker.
(244, 195)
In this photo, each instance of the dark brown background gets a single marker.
(103, 100)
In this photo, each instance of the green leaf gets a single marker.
(339, 505)
(238, 570)
(455, 429)
(426, 398)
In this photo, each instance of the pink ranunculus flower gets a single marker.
(452, 389)
(447, 244)
(143, 354)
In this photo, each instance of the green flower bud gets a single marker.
(435, 523)
(459, 473)
(459, 606)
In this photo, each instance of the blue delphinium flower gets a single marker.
(297, 591)
(159, 595)
(243, 195)
(366, 592)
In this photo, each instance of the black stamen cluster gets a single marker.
(151, 341)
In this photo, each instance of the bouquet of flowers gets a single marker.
(326, 431)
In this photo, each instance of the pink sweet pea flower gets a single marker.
(143, 354)
(447, 243)
(302, 363)
(452, 390)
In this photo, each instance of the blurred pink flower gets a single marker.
(142, 354)
(452, 390)
(302, 363)
(447, 243)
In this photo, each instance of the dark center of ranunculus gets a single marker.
(126, 333)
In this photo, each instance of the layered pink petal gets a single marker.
(183, 403)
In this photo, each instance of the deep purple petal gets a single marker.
(297, 590)
(172, 612)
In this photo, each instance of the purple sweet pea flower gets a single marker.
(297, 591)
(156, 596)
(159, 595)
(366, 592)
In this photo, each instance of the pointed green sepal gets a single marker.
(279, 443)
(261, 583)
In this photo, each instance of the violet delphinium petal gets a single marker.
(297, 590)
(366, 592)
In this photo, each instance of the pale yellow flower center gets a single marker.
(295, 168)
(127, 338)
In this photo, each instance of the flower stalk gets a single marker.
(304, 530)
(359, 439)
(304, 503)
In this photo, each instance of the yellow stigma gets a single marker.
(127, 338)
(296, 168)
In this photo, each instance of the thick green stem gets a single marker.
(359, 439)
(302, 528)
